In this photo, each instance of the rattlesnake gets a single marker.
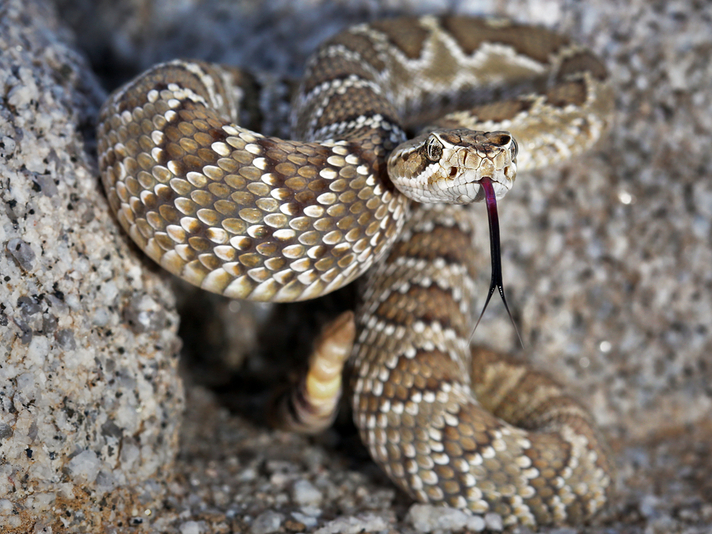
(263, 218)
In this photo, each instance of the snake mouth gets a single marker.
(471, 188)
(496, 281)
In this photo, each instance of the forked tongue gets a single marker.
(495, 256)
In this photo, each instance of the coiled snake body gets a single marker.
(263, 218)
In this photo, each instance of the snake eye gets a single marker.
(433, 148)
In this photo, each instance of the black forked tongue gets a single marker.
(495, 256)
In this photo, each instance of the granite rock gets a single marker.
(90, 399)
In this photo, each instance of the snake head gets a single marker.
(448, 166)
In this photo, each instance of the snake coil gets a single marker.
(258, 217)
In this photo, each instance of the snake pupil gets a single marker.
(495, 256)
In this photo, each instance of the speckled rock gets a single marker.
(90, 399)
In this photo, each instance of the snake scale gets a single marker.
(258, 217)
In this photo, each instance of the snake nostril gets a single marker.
(453, 172)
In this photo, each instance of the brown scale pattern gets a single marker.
(279, 222)
(527, 40)
(408, 36)
(264, 218)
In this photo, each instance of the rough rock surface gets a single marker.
(606, 260)
(90, 397)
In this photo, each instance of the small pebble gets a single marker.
(304, 493)
(294, 526)
(310, 520)
(429, 518)
(190, 527)
(267, 522)
(355, 525)
(247, 474)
